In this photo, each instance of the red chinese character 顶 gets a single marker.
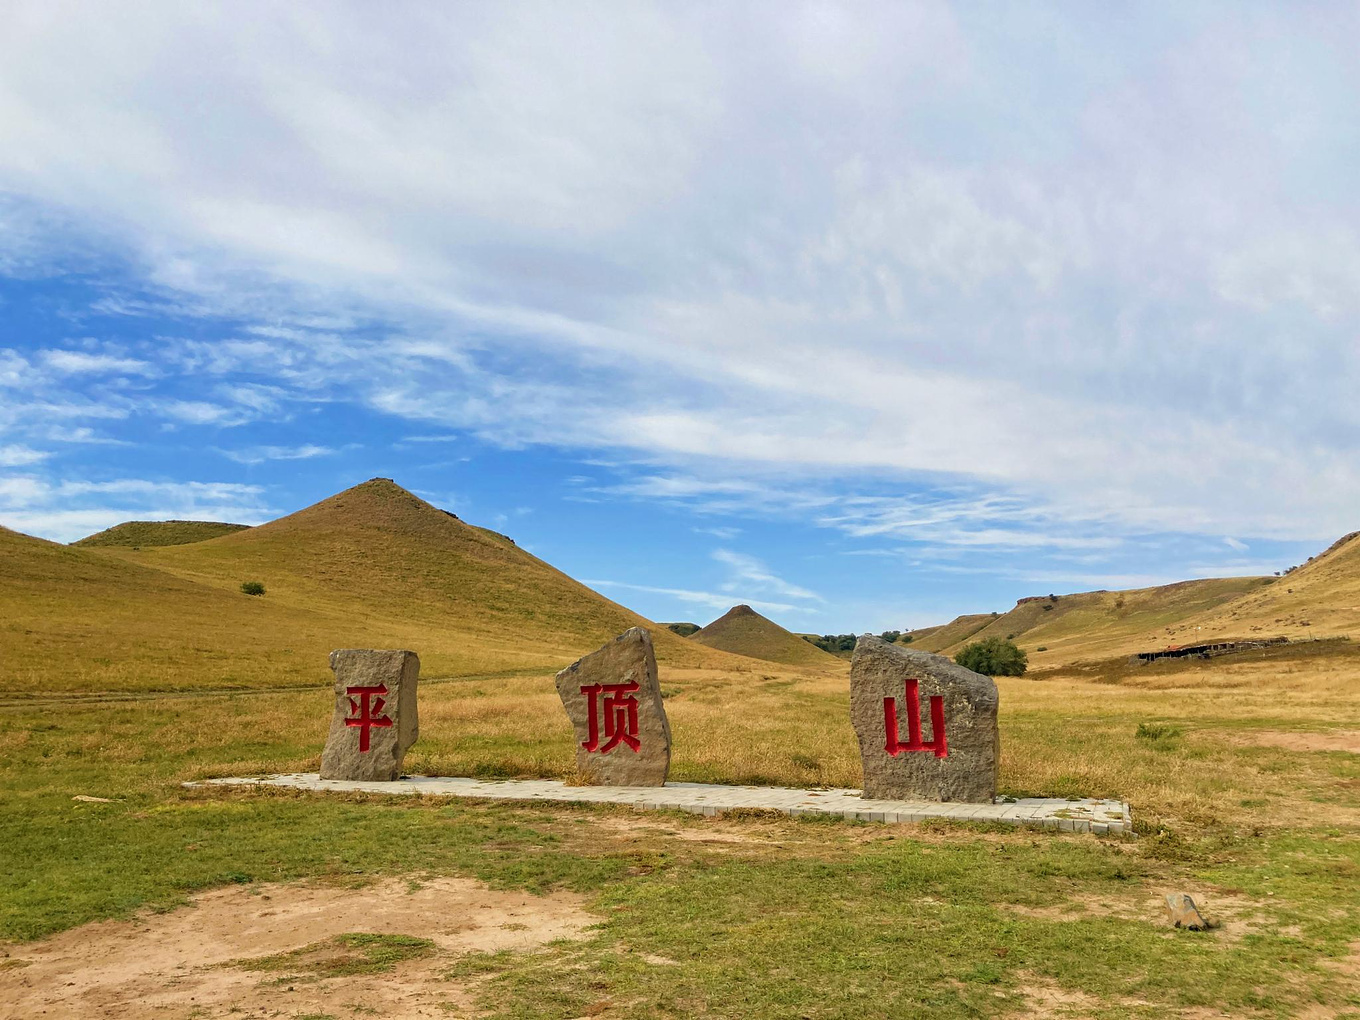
(366, 713)
(937, 743)
(620, 716)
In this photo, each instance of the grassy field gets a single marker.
(128, 671)
(760, 916)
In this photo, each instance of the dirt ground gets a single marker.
(181, 964)
(1334, 740)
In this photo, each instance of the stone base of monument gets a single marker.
(1102, 817)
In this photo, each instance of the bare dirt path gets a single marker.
(182, 964)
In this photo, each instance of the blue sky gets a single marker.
(865, 316)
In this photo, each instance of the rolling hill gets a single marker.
(1104, 624)
(745, 632)
(153, 533)
(946, 635)
(373, 566)
(1319, 599)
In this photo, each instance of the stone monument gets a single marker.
(614, 702)
(926, 726)
(375, 714)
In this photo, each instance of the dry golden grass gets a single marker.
(372, 567)
(1320, 599)
(1060, 737)
(936, 639)
(1099, 624)
(153, 533)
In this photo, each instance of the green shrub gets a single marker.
(891, 636)
(1042, 648)
(1156, 731)
(993, 657)
(252, 588)
(907, 638)
(684, 629)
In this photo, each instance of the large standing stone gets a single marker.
(926, 726)
(614, 702)
(375, 714)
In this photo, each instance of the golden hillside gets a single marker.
(745, 632)
(946, 635)
(374, 566)
(154, 533)
(1104, 624)
(1319, 599)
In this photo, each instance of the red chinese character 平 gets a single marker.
(937, 743)
(620, 716)
(366, 713)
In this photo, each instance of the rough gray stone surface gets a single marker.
(963, 766)
(629, 743)
(1185, 913)
(375, 719)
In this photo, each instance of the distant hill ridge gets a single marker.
(373, 566)
(744, 631)
(158, 533)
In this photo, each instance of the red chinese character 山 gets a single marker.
(915, 742)
(620, 711)
(366, 705)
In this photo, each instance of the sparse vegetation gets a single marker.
(684, 629)
(891, 636)
(994, 657)
(344, 955)
(252, 588)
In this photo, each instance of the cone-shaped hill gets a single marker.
(373, 566)
(154, 533)
(744, 631)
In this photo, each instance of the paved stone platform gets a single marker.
(1102, 817)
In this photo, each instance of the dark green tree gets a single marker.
(993, 657)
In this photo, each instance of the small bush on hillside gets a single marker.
(252, 588)
(891, 636)
(684, 629)
(907, 638)
(1042, 648)
(993, 657)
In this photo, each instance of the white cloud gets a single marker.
(67, 509)
(77, 362)
(749, 574)
(884, 244)
(16, 455)
(712, 600)
(260, 454)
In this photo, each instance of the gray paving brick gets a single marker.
(1100, 816)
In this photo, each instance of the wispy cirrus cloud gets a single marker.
(260, 454)
(707, 599)
(65, 510)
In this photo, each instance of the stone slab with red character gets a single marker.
(613, 699)
(375, 719)
(927, 727)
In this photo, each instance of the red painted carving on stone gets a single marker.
(367, 711)
(620, 712)
(937, 743)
